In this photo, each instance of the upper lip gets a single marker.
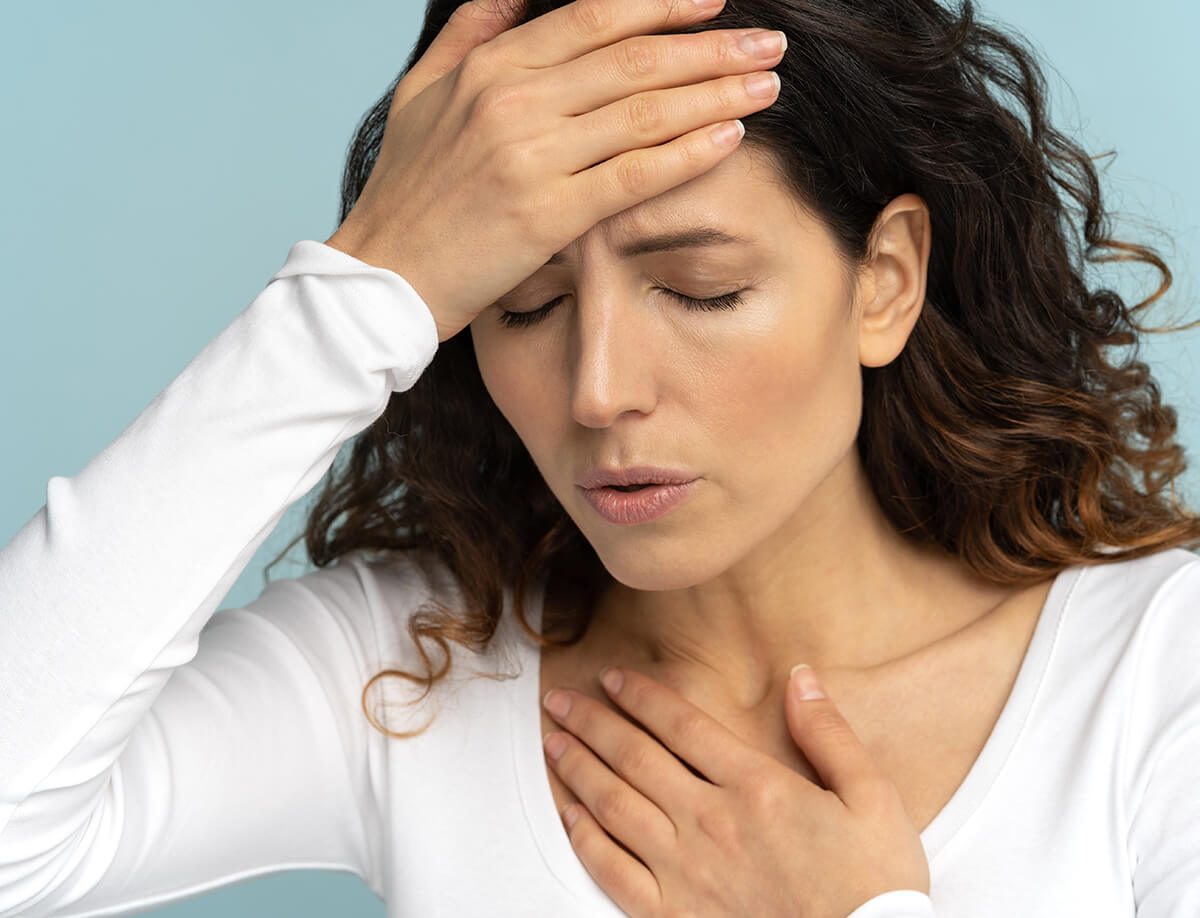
(638, 474)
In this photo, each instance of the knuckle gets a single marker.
(463, 12)
(765, 796)
(592, 17)
(633, 173)
(726, 49)
(611, 805)
(498, 100)
(730, 94)
(827, 723)
(585, 839)
(460, 17)
(644, 115)
(639, 692)
(582, 720)
(717, 823)
(630, 758)
(684, 727)
(671, 9)
(513, 164)
(635, 60)
(475, 66)
(696, 153)
(610, 872)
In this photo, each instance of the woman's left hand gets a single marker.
(756, 838)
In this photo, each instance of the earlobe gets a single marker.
(894, 289)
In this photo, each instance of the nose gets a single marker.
(614, 363)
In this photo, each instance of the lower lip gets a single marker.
(628, 508)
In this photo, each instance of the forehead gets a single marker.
(686, 235)
(736, 206)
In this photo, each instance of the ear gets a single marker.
(892, 283)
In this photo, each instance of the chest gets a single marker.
(925, 725)
(927, 764)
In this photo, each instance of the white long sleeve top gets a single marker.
(151, 750)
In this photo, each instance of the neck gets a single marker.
(838, 589)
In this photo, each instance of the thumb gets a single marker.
(472, 24)
(824, 735)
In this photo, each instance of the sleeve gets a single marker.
(1162, 758)
(146, 753)
(897, 903)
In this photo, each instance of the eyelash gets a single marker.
(724, 301)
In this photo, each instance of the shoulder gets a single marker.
(336, 616)
(379, 592)
(1163, 590)
(1125, 638)
(389, 588)
(1124, 604)
(382, 595)
(1148, 610)
(1140, 583)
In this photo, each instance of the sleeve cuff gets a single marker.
(897, 903)
(309, 257)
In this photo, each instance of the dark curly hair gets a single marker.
(1004, 432)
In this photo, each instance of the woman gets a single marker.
(853, 356)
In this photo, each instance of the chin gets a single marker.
(640, 567)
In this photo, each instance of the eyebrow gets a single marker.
(692, 237)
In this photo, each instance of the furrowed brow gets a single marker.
(692, 237)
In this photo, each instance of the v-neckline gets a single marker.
(541, 812)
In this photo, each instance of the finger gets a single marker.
(575, 29)
(633, 129)
(627, 815)
(628, 72)
(472, 24)
(827, 739)
(626, 880)
(698, 739)
(685, 84)
(624, 749)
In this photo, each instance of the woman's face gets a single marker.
(761, 402)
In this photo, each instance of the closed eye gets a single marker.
(724, 301)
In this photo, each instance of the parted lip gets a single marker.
(638, 474)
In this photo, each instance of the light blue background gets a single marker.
(159, 159)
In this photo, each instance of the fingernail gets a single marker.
(804, 682)
(611, 679)
(762, 85)
(764, 44)
(570, 816)
(556, 745)
(557, 703)
(728, 133)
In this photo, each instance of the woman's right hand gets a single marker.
(502, 147)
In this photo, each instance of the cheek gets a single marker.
(518, 385)
(785, 403)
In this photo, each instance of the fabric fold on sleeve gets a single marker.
(105, 590)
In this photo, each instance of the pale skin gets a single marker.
(783, 555)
